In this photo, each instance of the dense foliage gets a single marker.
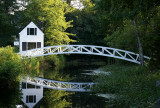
(12, 67)
(85, 25)
(129, 25)
(6, 26)
(55, 99)
(132, 86)
(50, 13)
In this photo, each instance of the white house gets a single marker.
(31, 94)
(30, 37)
(77, 4)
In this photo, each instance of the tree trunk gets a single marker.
(139, 44)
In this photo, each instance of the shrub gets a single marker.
(133, 86)
(11, 69)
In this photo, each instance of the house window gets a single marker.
(31, 31)
(30, 86)
(31, 99)
(31, 45)
(38, 87)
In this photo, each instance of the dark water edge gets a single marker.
(87, 100)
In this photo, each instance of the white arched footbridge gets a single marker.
(59, 85)
(84, 49)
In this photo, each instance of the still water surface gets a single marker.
(62, 99)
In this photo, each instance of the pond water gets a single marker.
(62, 99)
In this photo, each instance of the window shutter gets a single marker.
(38, 44)
(35, 31)
(34, 98)
(26, 99)
(23, 85)
(27, 31)
(24, 46)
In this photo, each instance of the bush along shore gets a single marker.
(132, 86)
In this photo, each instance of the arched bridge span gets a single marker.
(84, 49)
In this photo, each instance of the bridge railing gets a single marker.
(85, 49)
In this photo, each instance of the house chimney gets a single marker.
(39, 24)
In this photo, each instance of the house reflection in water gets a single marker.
(32, 94)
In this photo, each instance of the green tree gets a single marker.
(151, 42)
(51, 14)
(6, 27)
(123, 38)
(11, 69)
(139, 12)
(85, 25)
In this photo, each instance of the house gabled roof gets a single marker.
(31, 23)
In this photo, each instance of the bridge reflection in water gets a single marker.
(59, 85)
(32, 88)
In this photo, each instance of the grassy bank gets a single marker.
(134, 86)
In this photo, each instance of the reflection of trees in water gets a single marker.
(55, 98)
(87, 100)
(61, 99)
(56, 75)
